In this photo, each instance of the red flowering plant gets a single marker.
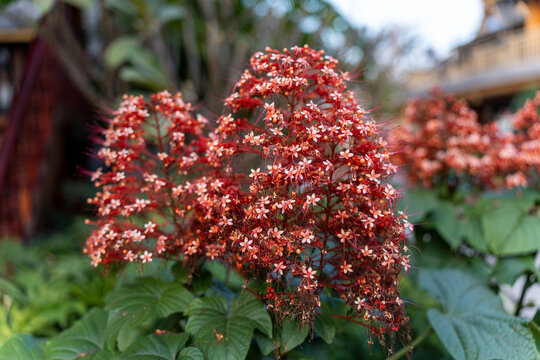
(316, 213)
(317, 221)
(158, 191)
(524, 150)
(442, 143)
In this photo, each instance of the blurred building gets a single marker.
(37, 104)
(503, 59)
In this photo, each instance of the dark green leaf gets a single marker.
(507, 270)
(22, 347)
(85, 338)
(143, 300)
(180, 273)
(191, 353)
(266, 344)
(291, 335)
(224, 330)
(156, 347)
(148, 295)
(324, 325)
(201, 281)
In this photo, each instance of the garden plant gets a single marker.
(274, 231)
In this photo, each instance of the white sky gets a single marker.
(439, 24)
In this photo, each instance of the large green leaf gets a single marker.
(473, 323)
(22, 347)
(508, 226)
(85, 338)
(266, 344)
(471, 230)
(149, 295)
(156, 347)
(448, 224)
(507, 270)
(143, 300)
(191, 353)
(224, 330)
(324, 325)
(292, 334)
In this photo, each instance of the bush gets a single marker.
(305, 254)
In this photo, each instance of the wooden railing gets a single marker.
(508, 49)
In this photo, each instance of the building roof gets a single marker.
(18, 21)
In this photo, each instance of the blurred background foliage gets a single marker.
(199, 47)
(46, 287)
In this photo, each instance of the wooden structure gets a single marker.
(503, 59)
(37, 100)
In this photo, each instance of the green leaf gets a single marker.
(85, 338)
(471, 230)
(191, 353)
(149, 295)
(266, 345)
(156, 347)
(180, 273)
(448, 224)
(473, 323)
(144, 299)
(22, 347)
(535, 330)
(507, 270)
(141, 76)
(224, 330)
(120, 50)
(227, 276)
(418, 202)
(201, 281)
(325, 328)
(292, 334)
(508, 227)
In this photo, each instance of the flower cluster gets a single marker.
(313, 212)
(317, 213)
(443, 143)
(158, 189)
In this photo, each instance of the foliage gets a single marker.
(478, 226)
(45, 288)
(159, 318)
(198, 47)
(463, 258)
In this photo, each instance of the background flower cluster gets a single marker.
(442, 142)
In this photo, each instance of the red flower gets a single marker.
(322, 189)
(154, 201)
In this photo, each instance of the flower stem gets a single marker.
(526, 286)
(410, 347)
